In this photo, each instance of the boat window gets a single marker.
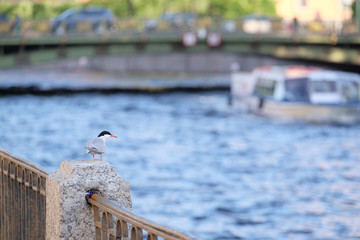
(265, 87)
(350, 91)
(323, 86)
(297, 89)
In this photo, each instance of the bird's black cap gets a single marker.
(104, 133)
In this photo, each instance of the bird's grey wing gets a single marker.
(90, 149)
(97, 145)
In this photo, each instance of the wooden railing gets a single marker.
(114, 222)
(22, 199)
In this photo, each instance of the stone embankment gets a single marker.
(135, 73)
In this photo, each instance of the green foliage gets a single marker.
(235, 8)
(154, 8)
(7, 8)
(119, 7)
(43, 10)
(59, 7)
(39, 10)
(144, 8)
(267, 7)
(23, 9)
(355, 8)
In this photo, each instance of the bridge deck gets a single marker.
(315, 41)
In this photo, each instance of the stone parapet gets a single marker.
(68, 216)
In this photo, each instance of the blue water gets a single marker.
(196, 164)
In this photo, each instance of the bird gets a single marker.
(97, 145)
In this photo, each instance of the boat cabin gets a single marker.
(306, 84)
(334, 87)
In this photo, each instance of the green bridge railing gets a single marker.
(34, 42)
(255, 25)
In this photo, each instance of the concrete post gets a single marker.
(68, 216)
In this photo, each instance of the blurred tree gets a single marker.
(43, 10)
(131, 8)
(24, 10)
(267, 7)
(144, 8)
(237, 8)
(153, 8)
(353, 8)
(8, 8)
(217, 8)
(58, 8)
(121, 8)
(39, 10)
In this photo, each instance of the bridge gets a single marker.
(35, 42)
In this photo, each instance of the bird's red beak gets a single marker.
(113, 136)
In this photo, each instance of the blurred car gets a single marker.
(179, 19)
(4, 17)
(95, 16)
(229, 26)
(176, 20)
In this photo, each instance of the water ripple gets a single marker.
(196, 164)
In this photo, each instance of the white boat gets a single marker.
(299, 93)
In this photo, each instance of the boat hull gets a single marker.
(315, 113)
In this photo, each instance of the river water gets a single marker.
(197, 164)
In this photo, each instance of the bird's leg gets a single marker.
(93, 156)
(101, 157)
